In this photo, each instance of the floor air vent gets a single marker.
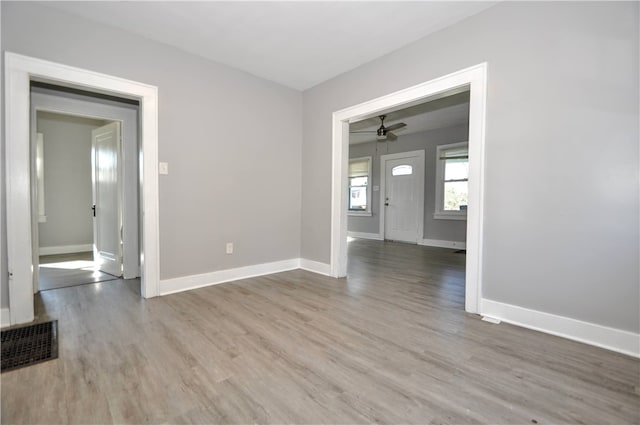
(28, 345)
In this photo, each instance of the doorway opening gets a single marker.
(87, 197)
(20, 71)
(65, 231)
(473, 82)
(405, 221)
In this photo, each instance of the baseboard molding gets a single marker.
(443, 244)
(5, 317)
(590, 333)
(179, 284)
(362, 235)
(64, 249)
(315, 267)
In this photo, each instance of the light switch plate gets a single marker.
(163, 168)
(376, 188)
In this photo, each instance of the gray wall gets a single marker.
(446, 230)
(561, 204)
(230, 180)
(67, 179)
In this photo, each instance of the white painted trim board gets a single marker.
(186, 283)
(589, 333)
(315, 267)
(64, 249)
(179, 284)
(364, 235)
(443, 244)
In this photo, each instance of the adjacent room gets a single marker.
(408, 196)
(320, 212)
(87, 197)
(65, 228)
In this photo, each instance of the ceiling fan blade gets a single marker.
(396, 126)
(391, 136)
(363, 131)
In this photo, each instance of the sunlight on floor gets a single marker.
(71, 265)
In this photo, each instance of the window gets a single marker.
(42, 218)
(359, 186)
(402, 170)
(452, 181)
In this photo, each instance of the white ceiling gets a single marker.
(429, 115)
(297, 44)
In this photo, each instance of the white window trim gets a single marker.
(367, 212)
(440, 213)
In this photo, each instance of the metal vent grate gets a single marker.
(29, 345)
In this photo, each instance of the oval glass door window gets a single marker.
(402, 170)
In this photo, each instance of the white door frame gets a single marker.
(19, 71)
(420, 189)
(476, 78)
(128, 116)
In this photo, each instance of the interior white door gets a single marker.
(401, 199)
(107, 198)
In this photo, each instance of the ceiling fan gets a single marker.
(384, 133)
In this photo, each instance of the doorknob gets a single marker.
(94, 210)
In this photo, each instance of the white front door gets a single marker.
(402, 199)
(107, 215)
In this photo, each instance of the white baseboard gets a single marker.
(5, 317)
(362, 235)
(64, 249)
(443, 244)
(179, 284)
(315, 267)
(590, 333)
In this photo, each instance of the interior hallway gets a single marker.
(389, 344)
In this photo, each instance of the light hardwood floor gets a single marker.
(62, 270)
(390, 344)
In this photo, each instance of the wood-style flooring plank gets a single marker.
(389, 344)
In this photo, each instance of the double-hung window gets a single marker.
(360, 186)
(452, 181)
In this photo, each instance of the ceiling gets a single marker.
(446, 111)
(297, 44)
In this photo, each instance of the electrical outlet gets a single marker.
(229, 247)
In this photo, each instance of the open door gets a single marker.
(107, 198)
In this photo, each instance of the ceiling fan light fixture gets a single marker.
(383, 133)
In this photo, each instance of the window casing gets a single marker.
(452, 181)
(359, 189)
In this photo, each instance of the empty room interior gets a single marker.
(320, 212)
